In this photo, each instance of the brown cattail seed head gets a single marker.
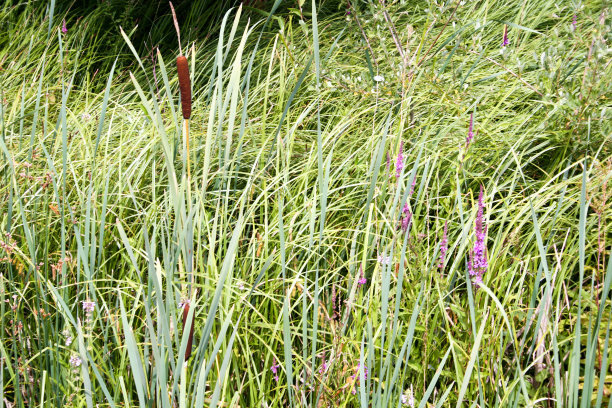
(185, 85)
(190, 338)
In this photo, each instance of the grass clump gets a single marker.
(318, 232)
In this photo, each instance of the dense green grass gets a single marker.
(295, 198)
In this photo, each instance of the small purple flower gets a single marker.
(406, 217)
(324, 366)
(574, 22)
(408, 397)
(88, 307)
(64, 28)
(384, 260)
(406, 209)
(412, 187)
(406, 222)
(399, 164)
(477, 264)
(75, 361)
(274, 369)
(470, 134)
(356, 376)
(66, 334)
(505, 41)
(362, 279)
(443, 246)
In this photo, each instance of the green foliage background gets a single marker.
(294, 197)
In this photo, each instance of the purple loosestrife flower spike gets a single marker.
(574, 22)
(399, 164)
(356, 375)
(505, 41)
(470, 135)
(443, 246)
(388, 164)
(64, 28)
(274, 369)
(477, 265)
(323, 367)
(407, 216)
(362, 279)
(406, 209)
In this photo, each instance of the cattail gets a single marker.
(184, 85)
(190, 339)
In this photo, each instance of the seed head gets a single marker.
(182, 68)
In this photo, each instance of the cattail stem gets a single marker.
(186, 132)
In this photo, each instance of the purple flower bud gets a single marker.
(64, 28)
(574, 21)
(505, 41)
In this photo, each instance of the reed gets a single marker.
(325, 274)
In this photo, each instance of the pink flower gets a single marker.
(64, 28)
(384, 260)
(362, 280)
(75, 361)
(324, 365)
(407, 217)
(365, 376)
(274, 369)
(89, 307)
